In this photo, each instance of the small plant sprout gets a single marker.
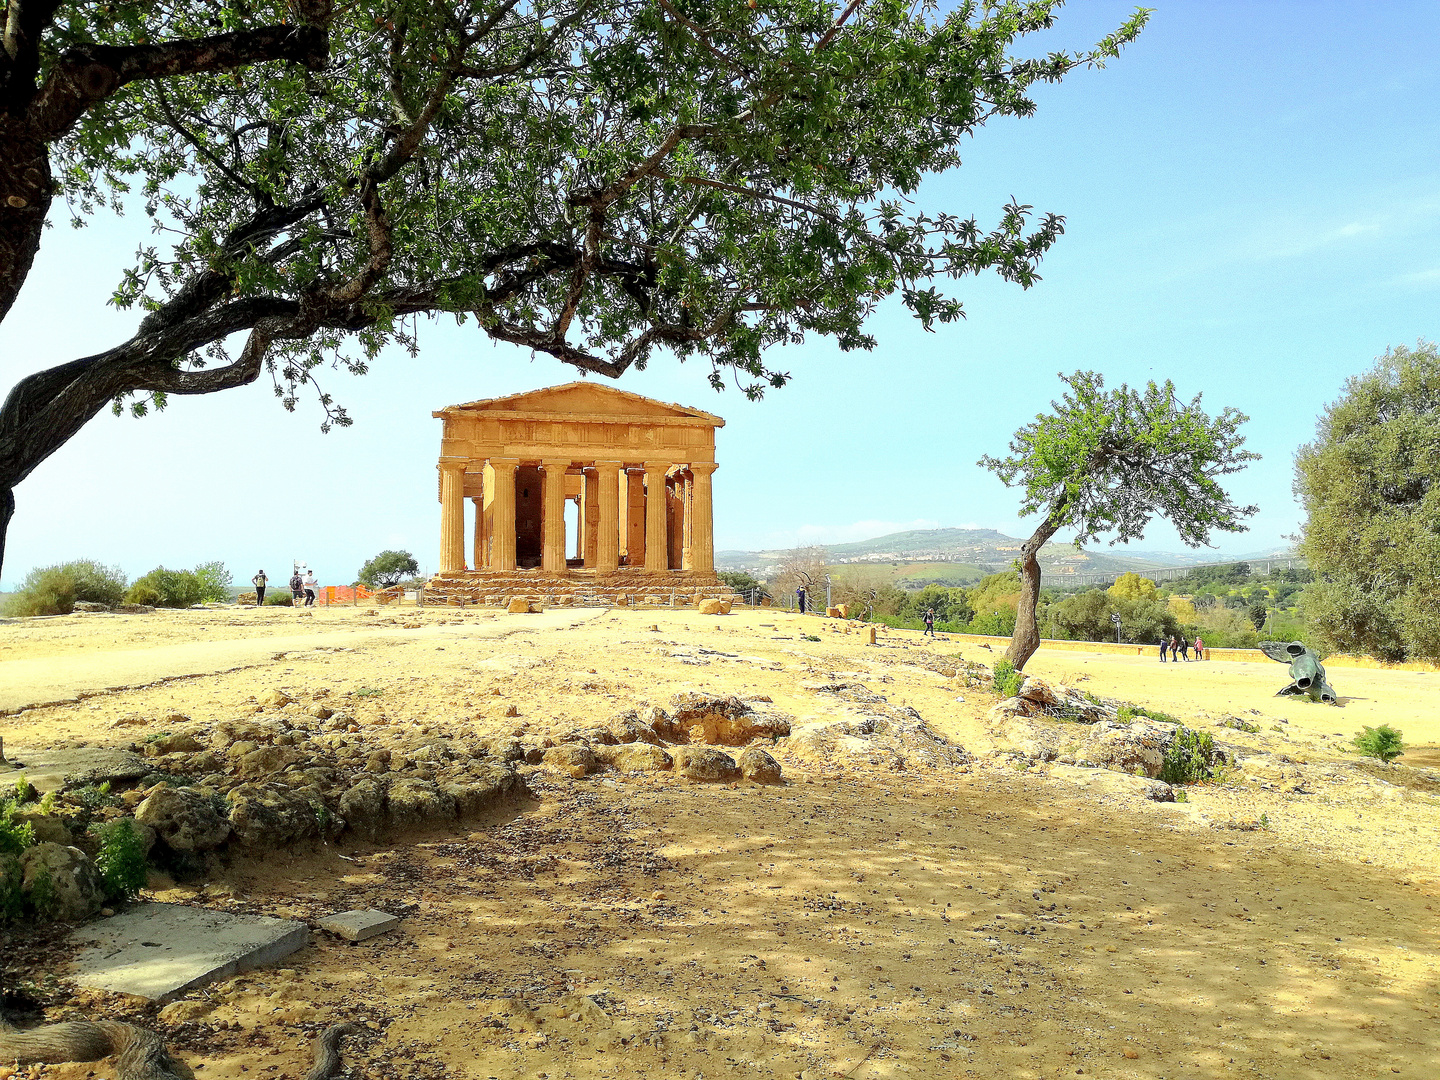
(1383, 742)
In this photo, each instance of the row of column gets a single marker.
(698, 527)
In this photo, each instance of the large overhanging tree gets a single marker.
(1106, 463)
(591, 179)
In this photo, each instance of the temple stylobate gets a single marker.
(576, 490)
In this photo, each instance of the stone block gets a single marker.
(159, 951)
(832, 613)
(711, 607)
(359, 925)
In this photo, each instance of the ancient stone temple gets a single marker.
(577, 492)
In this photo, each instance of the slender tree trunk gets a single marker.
(26, 189)
(1026, 638)
(7, 511)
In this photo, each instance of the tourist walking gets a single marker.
(1199, 648)
(259, 581)
(1184, 648)
(1174, 649)
(310, 586)
(297, 588)
(800, 598)
(1164, 644)
(930, 621)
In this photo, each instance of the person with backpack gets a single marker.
(297, 588)
(259, 581)
(1184, 648)
(929, 622)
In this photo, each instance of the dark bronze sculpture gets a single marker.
(1306, 671)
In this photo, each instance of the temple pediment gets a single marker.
(581, 400)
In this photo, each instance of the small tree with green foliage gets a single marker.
(1108, 462)
(387, 569)
(167, 588)
(1370, 485)
(214, 582)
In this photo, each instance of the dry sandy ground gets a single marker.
(861, 921)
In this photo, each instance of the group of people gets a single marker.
(302, 589)
(1180, 648)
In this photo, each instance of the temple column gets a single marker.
(687, 530)
(452, 514)
(482, 551)
(657, 545)
(702, 519)
(502, 544)
(552, 557)
(607, 533)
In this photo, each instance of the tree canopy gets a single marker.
(1107, 463)
(1370, 486)
(388, 568)
(589, 179)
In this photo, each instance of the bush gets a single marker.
(14, 836)
(121, 860)
(214, 582)
(1006, 678)
(1189, 757)
(1383, 742)
(167, 588)
(54, 590)
(280, 598)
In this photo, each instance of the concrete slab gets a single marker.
(359, 925)
(53, 770)
(159, 951)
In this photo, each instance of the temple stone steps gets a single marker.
(578, 588)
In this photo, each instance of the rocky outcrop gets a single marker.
(704, 763)
(634, 757)
(758, 766)
(573, 759)
(184, 818)
(419, 804)
(722, 720)
(60, 882)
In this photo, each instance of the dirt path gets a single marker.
(870, 919)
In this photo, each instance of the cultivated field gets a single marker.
(896, 908)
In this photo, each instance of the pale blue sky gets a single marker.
(1253, 202)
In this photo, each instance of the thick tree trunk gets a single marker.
(26, 189)
(1026, 638)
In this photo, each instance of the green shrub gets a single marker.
(1189, 757)
(280, 598)
(54, 590)
(1131, 712)
(167, 588)
(121, 860)
(15, 836)
(1007, 679)
(1383, 742)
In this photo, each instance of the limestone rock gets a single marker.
(418, 803)
(711, 607)
(1138, 747)
(90, 606)
(488, 786)
(320, 712)
(1108, 782)
(275, 698)
(506, 749)
(628, 728)
(634, 757)
(1038, 691)
(60, 881)
(262, 817)
(704, 763)
(265, 760)
(363, 808)
(187, 1012)
(186, 819)
(723, 721)
(574, 759)
(755, 764)
(48, 828)
(520, 606)
(180, 743)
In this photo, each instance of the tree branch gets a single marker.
(91, 73)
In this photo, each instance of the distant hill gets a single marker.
(978, 552)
